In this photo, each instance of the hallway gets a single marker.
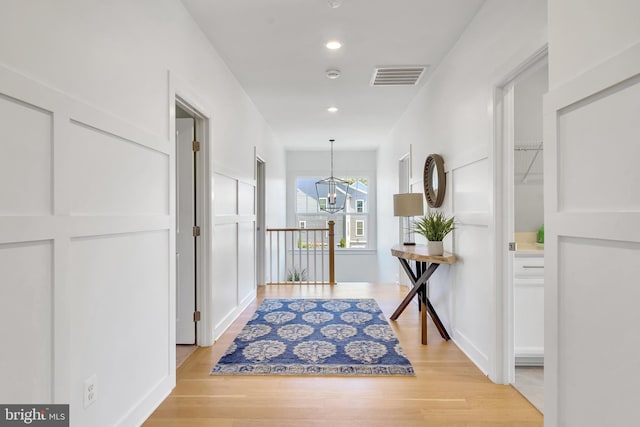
(448, 390)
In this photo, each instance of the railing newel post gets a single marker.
(332, 273)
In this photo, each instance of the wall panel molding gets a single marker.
(61, 230)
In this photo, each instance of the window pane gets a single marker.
(351, 230)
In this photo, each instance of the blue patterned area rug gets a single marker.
(329, 337)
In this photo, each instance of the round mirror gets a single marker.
(434, 180)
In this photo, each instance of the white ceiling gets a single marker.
(275, 48)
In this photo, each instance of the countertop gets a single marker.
(526, 244)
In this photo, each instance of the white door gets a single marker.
(592, 246)
(185, 241)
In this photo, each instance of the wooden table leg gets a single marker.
(423, 323)
(436, 320)
(418, 283)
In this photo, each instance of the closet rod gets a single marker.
(535, 156)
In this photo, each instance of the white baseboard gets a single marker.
(471, 351)
(529, 356)
(224, 324)
(149, 403)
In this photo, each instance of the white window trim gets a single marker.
(302, 224)
(362, 222)
(362, 210)
(368, 237)
(320, 199)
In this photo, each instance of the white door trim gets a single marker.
(260, 212)
(181, 93)
(501, 370)
(403, 187)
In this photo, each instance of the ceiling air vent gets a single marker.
(397, 76)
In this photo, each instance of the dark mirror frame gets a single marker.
(434, 165)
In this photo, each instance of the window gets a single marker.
(322, 203)
(350, 225)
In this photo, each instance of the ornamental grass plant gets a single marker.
(434, 226)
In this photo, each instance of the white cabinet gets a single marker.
(528, 283)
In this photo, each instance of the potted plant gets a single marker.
(434, 227)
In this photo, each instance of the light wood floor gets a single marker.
(183, 351)
(448, 390)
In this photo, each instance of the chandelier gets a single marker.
(332, 191)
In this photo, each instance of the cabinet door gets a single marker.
(529, 321)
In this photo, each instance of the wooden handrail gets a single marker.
(299, 229)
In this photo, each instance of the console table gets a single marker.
(425, 266)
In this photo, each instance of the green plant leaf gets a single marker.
(434, 226)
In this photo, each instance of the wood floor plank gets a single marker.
(447, 390)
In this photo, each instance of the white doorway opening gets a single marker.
(404, 186)
(260, 221)
(190, 215)
(519, 218)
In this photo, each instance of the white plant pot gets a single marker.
(435, 248)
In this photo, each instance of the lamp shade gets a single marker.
(407, 204)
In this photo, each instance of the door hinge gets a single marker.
(196, 231)
(196, 316)
(512, 246)
(195, 146)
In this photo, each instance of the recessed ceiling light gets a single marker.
(333, 73)
(332, 109)
(333, 45)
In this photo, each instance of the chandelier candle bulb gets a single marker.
(333, 187)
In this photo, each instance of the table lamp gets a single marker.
(407, 205)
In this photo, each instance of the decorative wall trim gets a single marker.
(62, 228)
(467, 158)
(472, 219)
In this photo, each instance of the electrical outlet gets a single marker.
(90, 391)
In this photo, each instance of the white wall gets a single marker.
(583, 35)
(352, 265)
(592, 232)
(87, 168)
(452, 115)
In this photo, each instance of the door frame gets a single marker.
(189, 100)
(405, 159)
(201, 132)
(260, 212)
(502, 225)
